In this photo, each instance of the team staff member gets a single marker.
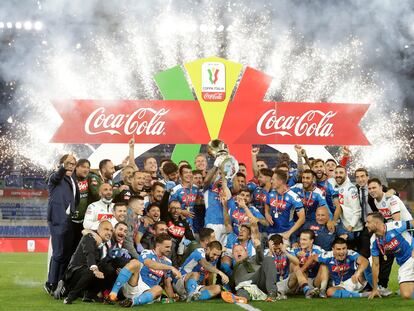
(63, 198)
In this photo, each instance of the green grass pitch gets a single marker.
(21, 288)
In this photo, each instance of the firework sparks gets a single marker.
(117, 56)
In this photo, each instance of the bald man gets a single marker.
(83, 273)
(99, 210)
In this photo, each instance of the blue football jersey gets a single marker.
(311, 200)
(282, 208)
(303, 256)
(238, 215)
(340, 270)
(149, 276)
(396, 241)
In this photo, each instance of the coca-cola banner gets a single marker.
(243, 120)
(165, 122)
(303, 123)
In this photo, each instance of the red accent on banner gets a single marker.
(164, 122)
(261, 122)
(25, 193)
(24, 245)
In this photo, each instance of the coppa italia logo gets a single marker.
(213, 81)
(240, 121)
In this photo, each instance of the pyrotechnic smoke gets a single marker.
(337, 51)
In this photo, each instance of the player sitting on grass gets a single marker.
(140, 280)
(346, 270)
(194, 270)
(286, 262)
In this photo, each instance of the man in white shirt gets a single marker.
(99, 210)
(349, 201)
(391, 207)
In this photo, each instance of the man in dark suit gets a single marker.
(63, 198)
(84, 272)
(364, 245)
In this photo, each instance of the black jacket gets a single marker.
(86, 255)
(60, 197)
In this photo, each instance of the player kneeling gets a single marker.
(140, 280)
(194, 270)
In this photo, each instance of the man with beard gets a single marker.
(194, 270)
(186, 193)
(200, 163)
(243, 168)
(257, 164)
(281, 205)
(100, 210)
(206, 236)
(156, 194)
(127, 173)
(151, 166)
(346, 270)
(63, 198)
(81, 178)
(241, 212)
(83, 271)
(148, 240)
(178, 227)
(392, 209)
(117, 255)
(350, 209)
(261, 190)
(392, 238)
(328, 191)
(141, 279)
(311, 196)
(104, 175)
(148, 221)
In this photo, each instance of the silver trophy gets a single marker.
(229, 165)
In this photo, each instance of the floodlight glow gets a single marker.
(38, 25)
(9, 25)
(18, 25)
(27, 25)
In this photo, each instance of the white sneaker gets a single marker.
(384, 292)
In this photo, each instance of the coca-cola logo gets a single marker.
(142, 121)
(311, 123)
(213, 96)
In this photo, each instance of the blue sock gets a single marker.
(123, 277)
(144, 298)
(412, 296)
(190, 286)
(226, 268)
(343, 293)
(205, 295)
(305, 288)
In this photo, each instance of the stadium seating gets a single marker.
(19, 211)
(24, 231)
